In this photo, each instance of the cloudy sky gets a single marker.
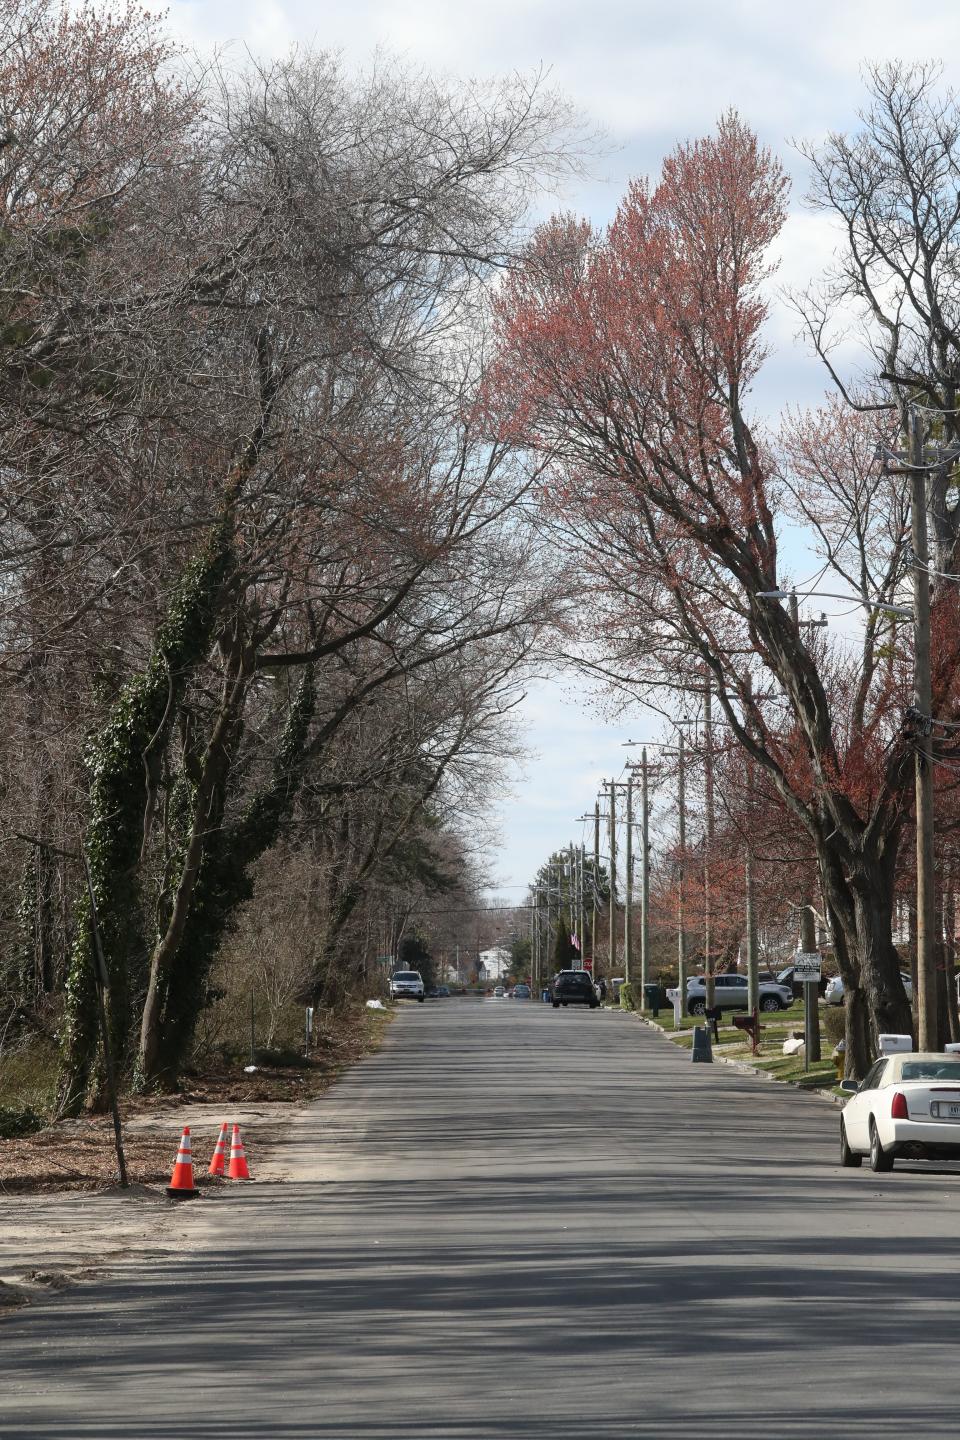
(650, 73)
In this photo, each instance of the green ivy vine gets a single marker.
(224, 883)
(140, 722)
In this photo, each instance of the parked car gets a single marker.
(521, 992)
(731, 993)
(907, 1106)
(498, 992)
(574, 987)
(833, 994)
(786, 977)
(407, 985)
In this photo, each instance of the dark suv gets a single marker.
(574, 987)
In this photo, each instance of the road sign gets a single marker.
(806, 966)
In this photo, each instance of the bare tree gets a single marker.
(289, 478)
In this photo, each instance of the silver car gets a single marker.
(731, 993)
(407, 985)
(833, 995)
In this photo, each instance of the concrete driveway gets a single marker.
(520, 1224)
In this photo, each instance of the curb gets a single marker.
(745, 1068)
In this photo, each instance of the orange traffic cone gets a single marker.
(238, 1160)
(181, 1185)
(216, 1164)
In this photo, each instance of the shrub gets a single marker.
(628, 1000)
(832, 1023)
(15, 1123)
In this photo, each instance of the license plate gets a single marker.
(945, 1109)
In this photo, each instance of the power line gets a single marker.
(474, 909)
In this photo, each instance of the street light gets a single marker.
(905, 610)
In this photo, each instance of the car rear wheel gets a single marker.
(556, 1004)
(420, 998)
(848, 1159)
(769, 1002)
(879, 1159)
(698, 1007)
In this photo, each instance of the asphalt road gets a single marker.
(521, 1224)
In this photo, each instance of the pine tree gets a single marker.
(564, 950)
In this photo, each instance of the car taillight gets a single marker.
(898, 1106)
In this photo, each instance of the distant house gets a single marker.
(493, 964)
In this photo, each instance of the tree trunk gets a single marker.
(140, 723)
(204, 825)
(950, 957)
(860, 908)
(872, 891)
(220, 884)
(859, 1049)
(856, 1037)
(914, 953)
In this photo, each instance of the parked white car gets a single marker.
(906, 1106)
(407, 985)
(833, 995)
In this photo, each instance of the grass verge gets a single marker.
(777, 1026)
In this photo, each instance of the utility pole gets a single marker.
(753, 957)
(682, 837)
(612, 945)
(596, 886)
(811, 1013)
(549, 903)
(628, 889)
(534, 978)
(923, 759)
(644, 879)
(808, 932)
(572, 896)
(582, 911)
(711, 991)
(753, 967)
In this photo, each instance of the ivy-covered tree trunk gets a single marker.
(36, 928)
(120, 761)
(214, 881)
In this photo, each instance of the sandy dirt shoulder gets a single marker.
(54, 1239)
(63, 1218)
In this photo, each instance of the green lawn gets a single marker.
(777, 1026)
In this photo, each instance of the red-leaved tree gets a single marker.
(627, 357)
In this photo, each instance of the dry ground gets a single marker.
(62, 1214)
